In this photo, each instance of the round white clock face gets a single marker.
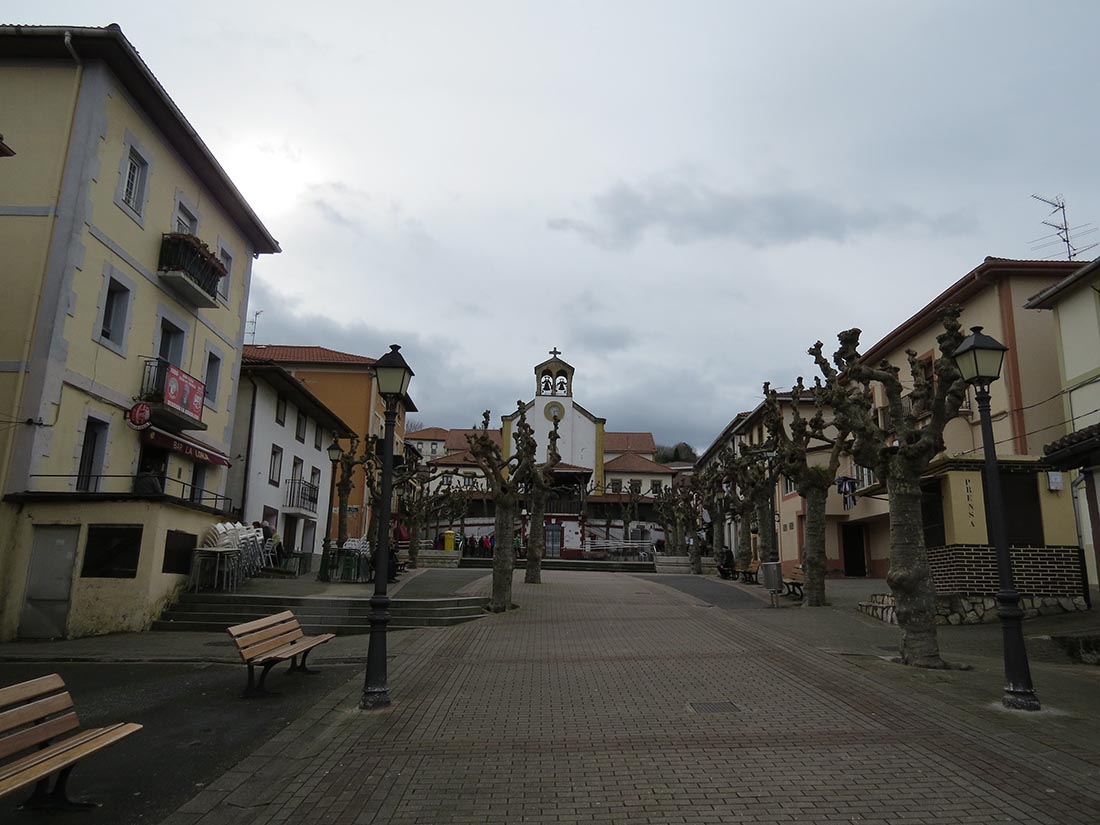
(554, 410)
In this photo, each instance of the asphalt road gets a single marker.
(709, 590)
(196, 727)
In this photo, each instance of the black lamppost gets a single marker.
(978, 359)
(393, 376)
(335, 453)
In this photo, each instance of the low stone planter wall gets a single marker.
(438, 558)
(958, 609)
(682, 564)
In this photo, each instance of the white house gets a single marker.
(282, 471)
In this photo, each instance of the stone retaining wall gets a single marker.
(956, 608)
(438, 558)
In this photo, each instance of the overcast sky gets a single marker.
(680, 196)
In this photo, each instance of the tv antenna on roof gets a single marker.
(1063, 233)
(252, 324)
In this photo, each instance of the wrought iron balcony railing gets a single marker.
(175, 396)
(301, 495)
(190, 268)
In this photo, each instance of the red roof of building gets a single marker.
(462, 459)
(456, 439)
(629, 443)
(427, 434)
(285, 354)
(631, 463)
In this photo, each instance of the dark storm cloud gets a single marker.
(687, 212)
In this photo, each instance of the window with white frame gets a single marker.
(133, 188)
(318, 437)
(280, 411)
(435, 447)
(300, 427)
(865, 476)
(635, 485)
(616, 485)
(469, 480)
(655, 485)
(186, 222)
(789, 486)
(92, 452)
(445, 481)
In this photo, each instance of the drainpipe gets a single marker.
(28, 341)
(248, 447)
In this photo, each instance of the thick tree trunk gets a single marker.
(813, 552)
(414, 542)
(717, 537)
(744, 543)
(695, 555)
(910, 577)
(342, 496)
(765, 524)
(503, 555)
(536, 539)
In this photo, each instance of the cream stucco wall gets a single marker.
(102, 605)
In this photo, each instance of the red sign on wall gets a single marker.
(183, 392)
(139, 416)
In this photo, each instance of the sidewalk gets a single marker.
(607, 698)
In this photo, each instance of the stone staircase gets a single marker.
(214, 612)
(571, 564)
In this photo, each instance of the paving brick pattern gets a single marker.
(578, 707)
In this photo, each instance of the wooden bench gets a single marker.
(749, 574)
(273, 639)
(793, 581)
(35, 717)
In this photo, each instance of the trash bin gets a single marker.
(448, 539)
(773, 576)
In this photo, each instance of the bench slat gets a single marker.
(65, 755)
(36, 734)
(33, 711)
(25, 691)
(76, 740)
(268, 633)
(271, 644)
(294, 648)
(259, 624)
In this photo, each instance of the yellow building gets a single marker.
(1075, 302)
(126, 269)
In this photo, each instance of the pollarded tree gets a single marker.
(538, 481)
(715, 501)
(751, 481)
(503, 477)
(899, 454)
(794, 444)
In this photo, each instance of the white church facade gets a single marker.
(607, 481)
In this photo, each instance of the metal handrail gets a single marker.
(301, 494)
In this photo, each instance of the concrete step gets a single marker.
(182, 610)
(571, 564)
(308, 629)
(325, 602)
(226, 619)
(217, 611)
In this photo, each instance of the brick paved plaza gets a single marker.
(597, 702)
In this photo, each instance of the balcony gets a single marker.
(175, 398)
(301, 496)
(190, 269)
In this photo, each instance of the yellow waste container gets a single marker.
(448, 539)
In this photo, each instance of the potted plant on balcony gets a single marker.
(180, 251)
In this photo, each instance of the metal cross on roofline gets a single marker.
(555, 352)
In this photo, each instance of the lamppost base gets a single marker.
(374, 699)
(1020, 700)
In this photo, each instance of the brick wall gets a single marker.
(1038, 571)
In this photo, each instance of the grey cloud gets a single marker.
(688, 212)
